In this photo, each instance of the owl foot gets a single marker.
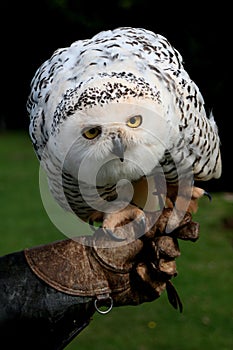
(182, 201)
(196, 194)
(95, 222)
(115, 220)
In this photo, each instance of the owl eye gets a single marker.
(135, 121)
(91, 133)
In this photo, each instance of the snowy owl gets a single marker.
(110, 116)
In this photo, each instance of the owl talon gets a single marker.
(207, 194)
(141, 226)
(113, 237)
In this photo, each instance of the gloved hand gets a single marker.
(128, 272)
(149, 261)
(78, 277)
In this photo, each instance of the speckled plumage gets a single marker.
(101, 82)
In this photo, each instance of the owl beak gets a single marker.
(118, 147)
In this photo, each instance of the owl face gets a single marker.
(116, 141)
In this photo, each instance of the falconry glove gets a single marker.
(123, 273)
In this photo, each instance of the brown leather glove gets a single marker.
(130, 272)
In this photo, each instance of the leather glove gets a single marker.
(129, 272)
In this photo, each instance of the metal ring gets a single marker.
(106, 311)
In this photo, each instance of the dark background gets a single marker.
(32, 30)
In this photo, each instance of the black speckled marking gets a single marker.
(93, 96)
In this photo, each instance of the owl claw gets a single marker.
(173, 296)
(113, 237)
(141, 226)
(208, 195)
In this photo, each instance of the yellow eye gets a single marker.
(91, 133)
(135, 121)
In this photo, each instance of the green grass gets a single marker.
(205, 267)
(24, 221)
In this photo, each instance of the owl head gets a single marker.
(116, 129)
